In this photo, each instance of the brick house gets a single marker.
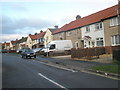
(7, 45)
(112, 27)
(22, 43)
(98, 29)
(36, 40)
(48, 37)
(13, 45)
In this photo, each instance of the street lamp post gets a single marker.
(47, 45)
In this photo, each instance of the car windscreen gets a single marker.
(28, 50)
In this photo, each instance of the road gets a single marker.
(31, 73)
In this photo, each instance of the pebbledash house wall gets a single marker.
(93, 34)
(29, 42)
(75, 36)
(110, 31)
(48, 37)
(59, 36)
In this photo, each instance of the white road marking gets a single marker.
(57, 66)
(53, 81)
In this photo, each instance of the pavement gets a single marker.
(106, 58)
(85, 64)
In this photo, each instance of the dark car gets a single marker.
(28, 53)
(4, 51)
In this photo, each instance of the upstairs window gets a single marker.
(115, 21)
(99, 26)
(60, 36)
(87, 29)
(69, 33)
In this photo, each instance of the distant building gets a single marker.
(48, 37)
(35, 41)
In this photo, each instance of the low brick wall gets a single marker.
(109, 49)
(87, 52)
(12, 51)
(90, 52)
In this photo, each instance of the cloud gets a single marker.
(9, 37)
(17, 7)
(12, 26)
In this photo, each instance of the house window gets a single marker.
(87, 28)
(69, 34)
(116, 40)
(60, 36)
(115, 21)
(41, 40)
(99, 26)
(99, 41)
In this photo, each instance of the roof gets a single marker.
(7, 44)
(23, 39)
(13, 42)
(52, 29)
(37, 36)
(90, 19)
(3, 44)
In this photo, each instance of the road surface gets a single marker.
(31, 73)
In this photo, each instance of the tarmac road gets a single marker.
(31, 73)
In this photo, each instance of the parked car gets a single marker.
(37, 50)
(28, 53)
(21, 50)
(4, 51)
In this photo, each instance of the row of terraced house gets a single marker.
(98, 29)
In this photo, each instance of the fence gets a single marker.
(90, 52)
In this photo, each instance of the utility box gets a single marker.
(116, 54)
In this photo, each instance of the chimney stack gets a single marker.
(41, 31)
(78, 16)
(56, 27)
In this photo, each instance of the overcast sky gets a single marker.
(22, 17)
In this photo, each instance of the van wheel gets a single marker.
(25, 57)
(35, 56)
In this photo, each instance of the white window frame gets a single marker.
(99, 26)
(87, 29)
(69, 33)
(99, 39)
(115, 21)
(115, 40)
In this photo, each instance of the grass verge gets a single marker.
(108, 68)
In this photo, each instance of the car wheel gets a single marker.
(26, 57)
(22, 56)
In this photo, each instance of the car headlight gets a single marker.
(28, 54)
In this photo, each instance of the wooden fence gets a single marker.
(90, 52)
